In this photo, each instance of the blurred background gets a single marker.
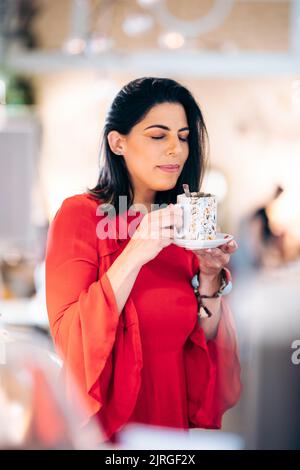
(61, 64)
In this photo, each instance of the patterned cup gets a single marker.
(199, 216)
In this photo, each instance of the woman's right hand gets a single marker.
(155, 232)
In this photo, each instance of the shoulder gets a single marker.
(79, 201)
(76, 216)
(77, 207)
(72, 231)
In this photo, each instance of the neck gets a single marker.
(147, 205)
(146, 198)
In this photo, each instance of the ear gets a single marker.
(116, 142)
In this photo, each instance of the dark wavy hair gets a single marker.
(128, 108)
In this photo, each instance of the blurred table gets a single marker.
(24, 311)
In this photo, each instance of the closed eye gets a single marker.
(162, 136)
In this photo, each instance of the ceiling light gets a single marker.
(98, 45)
(193, 28)
(74, 46)
(147, 3)
(171, 40)
(137, 24)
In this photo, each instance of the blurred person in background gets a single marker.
(260, 244)
(122, 310)
(268, 244)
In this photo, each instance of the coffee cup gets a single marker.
(199, 216)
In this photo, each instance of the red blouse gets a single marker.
(151, 364)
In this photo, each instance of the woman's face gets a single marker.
(160, 139)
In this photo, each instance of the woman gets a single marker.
(122, 310)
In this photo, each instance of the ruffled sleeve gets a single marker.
(213, 372)
(82, 308)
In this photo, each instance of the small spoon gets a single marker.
(186, 190)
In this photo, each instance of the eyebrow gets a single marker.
(161, 126)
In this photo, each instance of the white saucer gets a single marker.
(220, 239)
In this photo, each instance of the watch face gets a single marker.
(227, 288)
(226, 284)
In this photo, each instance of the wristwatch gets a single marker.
(226, 283)
(224, 289)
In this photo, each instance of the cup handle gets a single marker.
(180, 233)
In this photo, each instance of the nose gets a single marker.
(174, 147)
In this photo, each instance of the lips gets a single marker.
(169, 167)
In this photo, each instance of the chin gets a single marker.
(164, 186)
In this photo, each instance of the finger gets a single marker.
(229, 247)
(207, 263)
(164, 220)
(170, 219)
(158, 234)
(167, 217)
(166, 233)
(171, 208)
(176, 209)
(161, 232)
(215, 252)
(176, 219)
(215, 256)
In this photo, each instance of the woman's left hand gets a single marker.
(213, 260)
